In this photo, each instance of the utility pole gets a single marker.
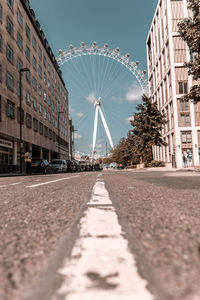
(20, 116)
(60, 112)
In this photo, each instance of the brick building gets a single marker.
(44, 95)
(169, 80)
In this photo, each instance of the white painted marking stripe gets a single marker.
(10, 184)
(101, 265)
(52, 181)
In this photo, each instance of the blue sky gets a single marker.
(124, 24)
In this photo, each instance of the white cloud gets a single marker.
(100, 140)
(98, 146)
(127, 120)
(77, 136)
(79, 114)
(134, 93)
(91, 98)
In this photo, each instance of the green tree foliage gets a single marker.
(189, 30)
(137, 147)
(148, 123)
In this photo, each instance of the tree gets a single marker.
(189, 30)
(147, 123)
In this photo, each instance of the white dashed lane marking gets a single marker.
(10, 184)
(101, 265)
(52, 181)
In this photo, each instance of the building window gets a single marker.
(40, 108)
(0, 108)
(45, 113)
(40, 90)
(34, 63)
(49, 100)
(28, 76)
(27, 52)
(19, 17)
(186, 137)
(9, 26)
(18, 115)
(39, 53)
(9, 81)
(10, 3)
(44, 61)
(0, 13)
(34, 43)
(19, 41)
(19, 64)
(184, 108)
(34, 104)
(28, 120)
(45, 96)
(34, 83)
(28, 98)
(9, 54)
(49, 117)
(0, 73)
(41, 128)
(182, 87)
(184, 119)
(45, 131)
(35, 124)
(1, 43)
(50, 134)
(28, 33)
(40, 71)
(10, 109)
(45, 78)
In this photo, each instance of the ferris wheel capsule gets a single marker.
(82, 44)
(71, 47)
(137, 63)
(127, 55)
(106, 46)
(117, 50)
(60, 52)
(94, 44)
(144, 72)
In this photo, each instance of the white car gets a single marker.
(58, 165)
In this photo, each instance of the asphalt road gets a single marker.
(158, 212)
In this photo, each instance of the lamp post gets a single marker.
(20, 115)
(60, 112)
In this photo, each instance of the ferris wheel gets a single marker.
(105, 52)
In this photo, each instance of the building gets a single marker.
(44, 113)
(168, 81)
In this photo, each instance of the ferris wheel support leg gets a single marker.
(106, 128)
(95, 130)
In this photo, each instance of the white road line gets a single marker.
(48, 182)
(101, 265)
(10, 184)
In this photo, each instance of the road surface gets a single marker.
(111, 234)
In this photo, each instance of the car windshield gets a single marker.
(56, 162)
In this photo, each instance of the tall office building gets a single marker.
(169, 81)
(45, 114)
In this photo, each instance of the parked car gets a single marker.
(58, 165)
(40, 165)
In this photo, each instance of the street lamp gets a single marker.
(20, 115)
(60, 112)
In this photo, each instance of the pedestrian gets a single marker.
(185, 159)
(28, 158)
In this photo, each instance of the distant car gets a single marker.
(58, 165)
(40, 165)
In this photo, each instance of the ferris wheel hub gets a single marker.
(97, 102)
